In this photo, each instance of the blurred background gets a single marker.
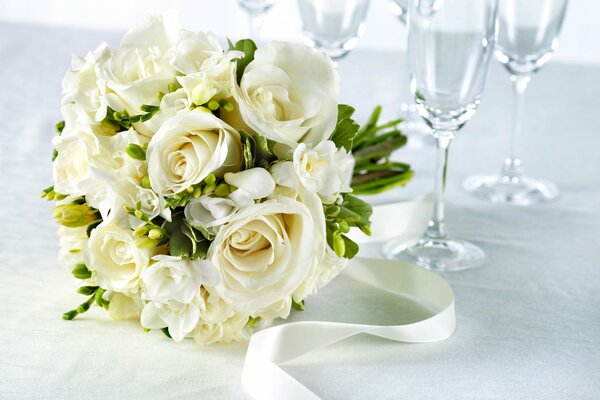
(580, 37)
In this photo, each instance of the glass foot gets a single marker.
(521, 191)
(440, 255)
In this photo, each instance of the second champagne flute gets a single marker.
(449, 48)
(527, 36)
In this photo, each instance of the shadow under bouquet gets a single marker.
(207, 191)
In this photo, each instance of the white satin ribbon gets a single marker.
(262, 378)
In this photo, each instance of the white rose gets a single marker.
(114, 258)
(289, 94)
(279, 309)
(264, 253)
(323, 272)
(193, 49)
(173, 290)
(73, 242)
(81, 83)
(187, 148)
(324, 169)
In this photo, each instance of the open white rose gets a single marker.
(230, 330)
(289, 94)
(264, 253)
(115, 259)
(324, 169)
(187, 148)
(173, 292)
(193, 49)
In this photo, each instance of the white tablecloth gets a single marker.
(528, 322)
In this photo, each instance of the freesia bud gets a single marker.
(74, 215)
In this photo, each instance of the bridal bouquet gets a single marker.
(207, 191)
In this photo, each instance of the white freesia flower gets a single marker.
(279, 309)
(170, 105)
(73, 242)
(252, 184)
(289, 94)
(123, 306)
(115, 259)
(127, 192)
(173, 290)
(230, 330)
(214, 80)
(324, 169)
(187, 148)
(82, 86)
(209, 212)
(264, 253)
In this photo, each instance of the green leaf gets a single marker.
(350, 246)
(358, 208)
(248, 47)
(180, 245)
(135, 151)
(369, 128)
(346, 128)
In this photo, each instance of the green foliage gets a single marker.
(345, 129)
(248, 47)
(186, 240)
(298, 305)
(257, 150)
(59, 127)
(122, 120)
(339, 218)
(372, 148)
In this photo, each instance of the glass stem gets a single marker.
(255, 27)
(436, 229)
(512, 168)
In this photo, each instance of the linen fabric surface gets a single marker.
(528, 323)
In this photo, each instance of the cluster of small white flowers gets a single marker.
(257, 232)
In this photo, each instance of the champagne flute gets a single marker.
(449, 47)
(414, 126)
(527, 37)
(256, 10)
(334, 26)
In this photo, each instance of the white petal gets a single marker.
(257, 182)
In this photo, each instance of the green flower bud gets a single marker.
(74, 215)
(146, 182)
(87, 290)
(222, 190)
(339, 246)
(344, 227)
(211, 179)
(213, 105)
(135, 151)
(197, 192)
(146, 243)
(138, 214)
(81, 271)
(227, 106)
(141, 231)
(172, 87)
(154, 234)
(69, 315)
(190, 190)
(208, 189)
